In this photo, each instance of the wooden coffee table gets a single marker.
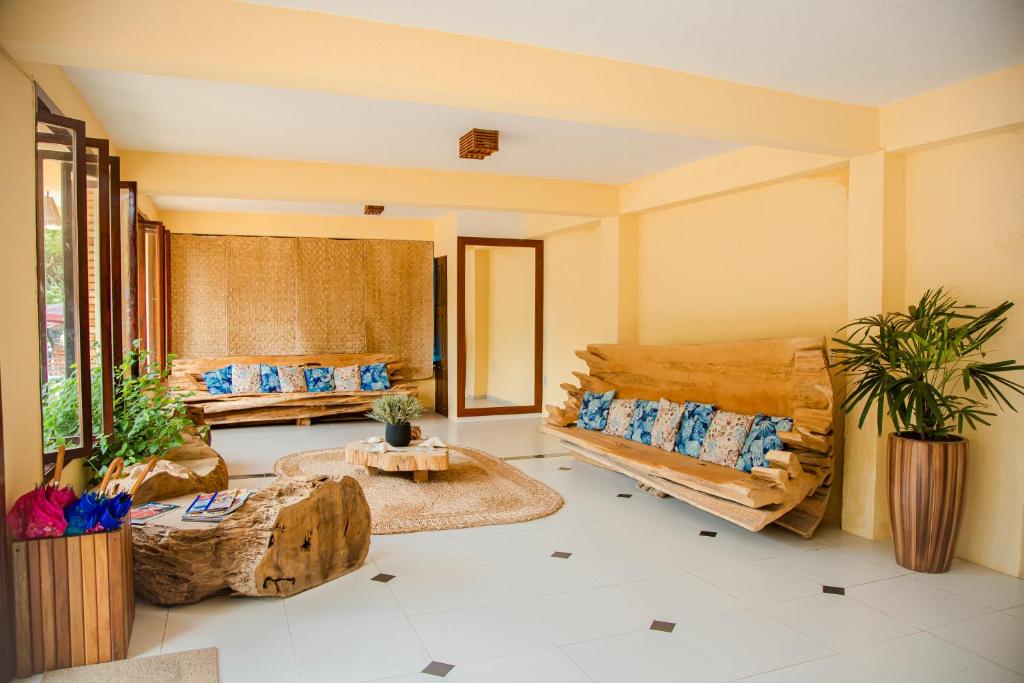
(415, 458)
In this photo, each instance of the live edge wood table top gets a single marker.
(415, 458)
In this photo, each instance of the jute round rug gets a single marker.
(477, 489)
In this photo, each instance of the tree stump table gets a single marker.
(292, 535)
(415, 458)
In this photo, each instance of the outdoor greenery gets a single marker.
(148, 419)
(926, 368)
(395, 409)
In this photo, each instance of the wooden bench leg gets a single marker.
(370, 469)
(419, 476)
(303, 421)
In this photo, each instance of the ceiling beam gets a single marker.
(237, 42)
(191, 175)
(962, 110)
(741, 169)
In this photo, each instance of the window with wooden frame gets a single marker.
(77, 194)
(153, 291)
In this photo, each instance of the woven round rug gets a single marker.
(477, 489)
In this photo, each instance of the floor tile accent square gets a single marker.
(383, 578)
(561, 555)
(833, 590)
(709, 534)
(666, 626)
(438, 669)
(625, 495)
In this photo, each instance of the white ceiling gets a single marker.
(220, 204)
(168, 114)
(869, 52)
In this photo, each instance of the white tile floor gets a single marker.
(495, 604)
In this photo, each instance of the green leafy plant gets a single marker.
(395, 409)
(149, 419)
(926, 369)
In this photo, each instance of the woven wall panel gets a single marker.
(266, 295)
(261, 294)
(330, 294)
(399, 302)
(198, 296)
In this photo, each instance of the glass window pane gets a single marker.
(62, 412)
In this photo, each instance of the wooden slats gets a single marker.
(73, 601)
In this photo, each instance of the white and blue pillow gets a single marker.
(374, 377)
(218, 381)
(319, 379)
(594, 409)
(270, 380)
(763, 437)
(644, 415)
(693, 428)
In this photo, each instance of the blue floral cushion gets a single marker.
(763, 437)
(319, 379)
(694, 427)
(270, 381)
(594, 410)
(218, 381)
(374, 377)
(644, 415)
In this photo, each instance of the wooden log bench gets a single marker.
(299, 408)
(783, 377)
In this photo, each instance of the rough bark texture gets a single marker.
(290, 536)
(193, 467)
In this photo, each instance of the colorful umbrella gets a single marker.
(95, 510)
(40, 512)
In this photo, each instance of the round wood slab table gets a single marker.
(415, 458)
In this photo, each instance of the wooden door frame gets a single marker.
(538, 327)
(441, 335)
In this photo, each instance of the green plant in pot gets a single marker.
(148, 418)
(927, 372)
(395, 411)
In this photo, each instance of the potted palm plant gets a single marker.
(926, 370)
(395, 411)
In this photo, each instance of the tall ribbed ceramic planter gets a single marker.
(926, 494)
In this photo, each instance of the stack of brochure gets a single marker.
(213, 507)
(148, 511)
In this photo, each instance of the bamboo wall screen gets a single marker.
(243, 296)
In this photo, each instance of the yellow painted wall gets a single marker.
(571, 319)
(769, 262)
(965, 231)
(19, 303)
(510, 320)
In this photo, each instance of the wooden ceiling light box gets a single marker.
(373, 209)
(478, 144)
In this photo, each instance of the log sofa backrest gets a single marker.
(184, 371)
(785, 377)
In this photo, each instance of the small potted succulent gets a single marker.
(395, 411)
(927, 373)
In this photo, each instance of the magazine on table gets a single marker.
(214, 507)
(148, 511)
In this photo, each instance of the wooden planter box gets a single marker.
(73, 600)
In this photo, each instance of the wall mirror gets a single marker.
(500, 326)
